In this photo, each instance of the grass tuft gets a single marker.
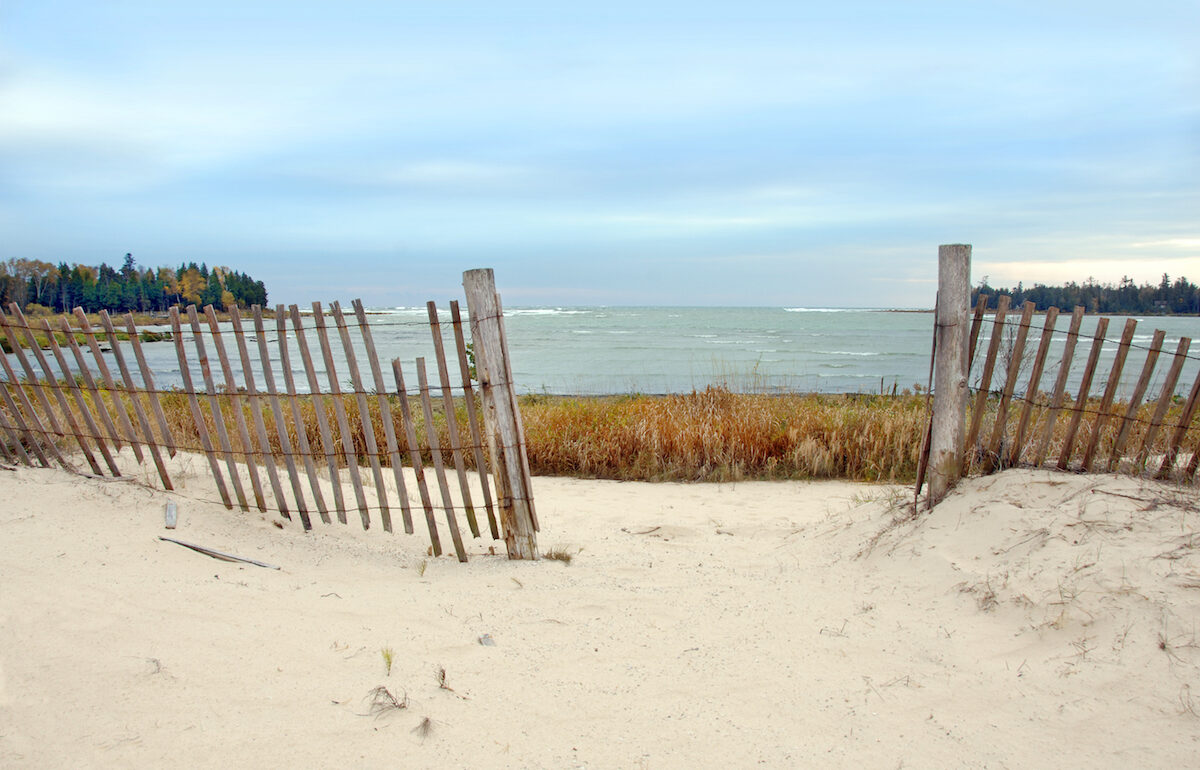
(388, 656)
(383, 701)
(559, 553)
(424, 729)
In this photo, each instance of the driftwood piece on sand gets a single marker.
(218, 554)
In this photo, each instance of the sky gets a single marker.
(619, 153)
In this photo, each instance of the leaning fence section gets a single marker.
(1045, 392)
(292, 412)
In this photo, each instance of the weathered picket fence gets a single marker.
(1142, 430)
(468, 418)
(1141, 427)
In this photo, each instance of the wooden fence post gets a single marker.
(950, 370)
(501, 418)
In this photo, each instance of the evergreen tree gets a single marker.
(63, 287)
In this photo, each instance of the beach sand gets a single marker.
(1033, 619)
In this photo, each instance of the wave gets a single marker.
(544, 311)
(821, 310)
(847, 353)
(398, 311)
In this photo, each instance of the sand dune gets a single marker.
(1032, 620)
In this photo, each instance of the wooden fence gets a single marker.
(270, 445)
(1033, 408)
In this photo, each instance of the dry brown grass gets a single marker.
(716, 435)
(1110, 429)
(710, 435)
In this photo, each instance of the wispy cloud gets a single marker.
(1189, 244)
(1108, 270)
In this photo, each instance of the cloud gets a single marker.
(1106, 270)
(1190, 244)
(434, 174)
(686, 222)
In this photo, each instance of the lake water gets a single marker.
(603, 350)
(826, 350)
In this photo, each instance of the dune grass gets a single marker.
(717, 435)
(710, 435)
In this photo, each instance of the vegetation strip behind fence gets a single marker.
(244, 431)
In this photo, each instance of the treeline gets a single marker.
(1179, 297)
(34, 284)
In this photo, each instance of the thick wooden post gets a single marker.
(500, 416)
(950, 370)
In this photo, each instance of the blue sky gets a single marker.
(747, 153)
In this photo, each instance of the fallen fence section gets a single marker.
(270, 447)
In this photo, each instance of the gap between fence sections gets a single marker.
(268, 447)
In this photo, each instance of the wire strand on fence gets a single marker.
(1128, 414)
(44, 399)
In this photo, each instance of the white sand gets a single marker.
(1033, 620)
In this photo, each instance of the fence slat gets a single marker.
(464, 367)
(235, 405)
(526, 488)
(47, 417)
(4, 451)
(455, 438)
(439, 468)
(214, 405)
(976, 324)
(272, 397)
(1165, 400)
(77, 396)
(1031, 389)
(364, 416)
(989, 364)
(260, 428)
(339, 413)
(19, 427)
(197, 414)
(1060, 385)
(318, 400)
(5, 454)
(11, 435)
(1193, 463)
(89, 382)
(285, 365)
(31, 422)
(1181, 428)
(51, 383)
(385, 411)
(1085, 386)
(1110, 394)
(147, 377)
(119, 407)
(414, 455)
(992, 459)
(1135, 400)
(131, 389)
